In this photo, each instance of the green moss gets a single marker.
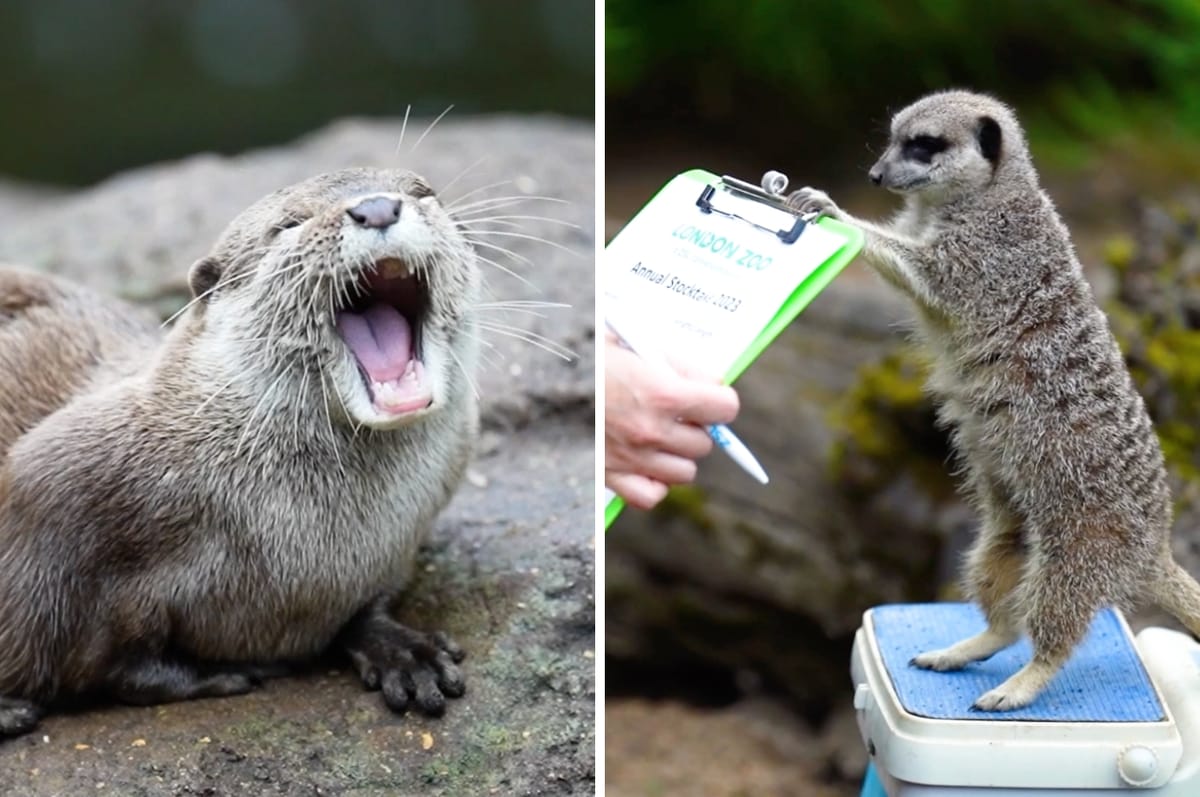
(690, 502)
(1154, 317)
(885, 425)
(1118, 252)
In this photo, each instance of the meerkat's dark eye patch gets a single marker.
(923, 148)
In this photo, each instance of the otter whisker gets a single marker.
(289, 285)
(507, 271)
(301, 397)
(449, 203)
(465, 373)
(497, 247)
(530, 309)
(530, 337)
(403, 127)
(525, 236)
(507, 221)
(493, 356)
(522, 303)
(495, 203)
(357, 425)
(461, 174)
(278, 317)
(258, 405)
(428, 129)
(199, 297)
(215, 393)
(329, 420)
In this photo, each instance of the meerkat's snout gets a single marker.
(876, 173)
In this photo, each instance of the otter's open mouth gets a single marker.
(382, 329)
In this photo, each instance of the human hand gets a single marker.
(654, 421)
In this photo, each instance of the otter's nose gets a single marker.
(380, 212)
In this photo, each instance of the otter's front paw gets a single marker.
(404, 664)
(810, 200)
(18, 716)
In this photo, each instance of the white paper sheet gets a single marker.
(703, 286)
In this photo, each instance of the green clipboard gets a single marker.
(708, 186)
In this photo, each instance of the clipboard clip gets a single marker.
(769, 193)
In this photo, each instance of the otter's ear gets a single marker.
(203, 276)
(989, 138)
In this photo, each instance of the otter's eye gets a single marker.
(923, 148)
(287, 223)
(420, 189)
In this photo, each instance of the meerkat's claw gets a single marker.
(810, 200)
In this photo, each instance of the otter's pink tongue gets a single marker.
(381, 340)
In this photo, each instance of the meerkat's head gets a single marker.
(951, 144)
(358, 284)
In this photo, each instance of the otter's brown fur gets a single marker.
(176, 515)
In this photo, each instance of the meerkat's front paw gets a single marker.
(810, 200)
(403, 663)
(940, 660)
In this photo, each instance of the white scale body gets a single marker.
(1123, 716)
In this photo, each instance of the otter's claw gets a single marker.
(810, 200)
(405, 664)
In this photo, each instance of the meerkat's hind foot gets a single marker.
(18, 716)
(977, 648)
(404, 664)
(1020, 690)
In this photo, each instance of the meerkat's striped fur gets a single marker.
(1057, 448)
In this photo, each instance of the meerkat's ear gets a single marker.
(204, 275)
(989, 138)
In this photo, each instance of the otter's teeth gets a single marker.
(405, 393)
(391, 268)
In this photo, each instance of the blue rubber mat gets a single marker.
(1103, 681)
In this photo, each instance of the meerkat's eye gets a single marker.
(923, 148)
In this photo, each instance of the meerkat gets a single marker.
(1057, 449)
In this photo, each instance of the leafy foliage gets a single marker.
(1090, 67)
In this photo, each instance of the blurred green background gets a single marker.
(779, 75)
(730, 610)
(90, 87)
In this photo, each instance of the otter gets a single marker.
(184, 514)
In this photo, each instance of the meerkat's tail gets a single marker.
(1177, 592)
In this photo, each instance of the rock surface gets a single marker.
(671, 749)
(509, 568)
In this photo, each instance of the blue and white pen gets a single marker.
(725, 439)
